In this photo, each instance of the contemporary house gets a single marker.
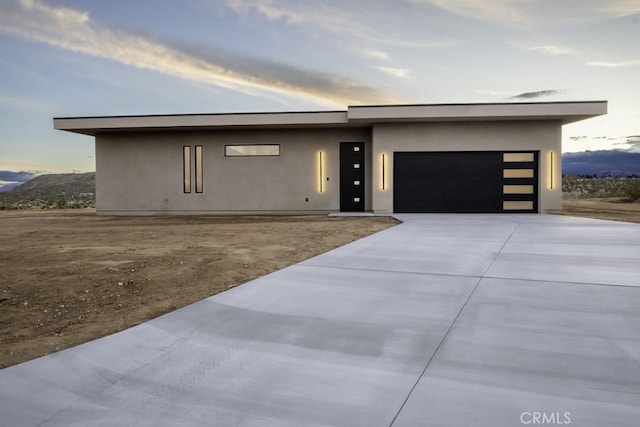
(501, 157)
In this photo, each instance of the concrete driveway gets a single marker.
(444, 320)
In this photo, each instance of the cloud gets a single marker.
(491, 92)
(537, 12)
(614, 64)
(537, 94)
(11, 179)
(633, 142)
(551, 50)
(375, 54)
(500, 10)
(543, 49)
(618, 7)
(7, 164)
(73, 30)
(402, 73)
(355, 21)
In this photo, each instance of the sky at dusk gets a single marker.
(63, 58)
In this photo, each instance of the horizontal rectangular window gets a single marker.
(517, 157)
(517, 189)
(517, 173)
(252, 150)
(517, 205)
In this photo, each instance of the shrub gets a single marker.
(61, 203)
(631, 189)
(582, 187)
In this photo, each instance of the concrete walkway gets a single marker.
(445, 320)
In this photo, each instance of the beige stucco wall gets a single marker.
(141, 172)
(543, 136)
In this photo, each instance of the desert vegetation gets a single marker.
(610, 198)
(59, 201)
(627, 189)
(53, 191)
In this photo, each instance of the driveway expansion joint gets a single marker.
(375, 270)
(450, 328)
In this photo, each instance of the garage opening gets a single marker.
(465, 182)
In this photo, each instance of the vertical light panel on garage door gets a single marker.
(520, 182)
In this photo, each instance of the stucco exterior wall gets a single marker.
(542, 136)
(142, 172)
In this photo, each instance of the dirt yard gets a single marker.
(67, 277)
(611, 209)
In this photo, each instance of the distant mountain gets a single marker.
(601, 163)
(51, 186)
(9, 179)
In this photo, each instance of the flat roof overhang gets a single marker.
(93, 125)
(566, 112)
(354, 116)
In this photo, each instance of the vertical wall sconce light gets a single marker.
(551, 170)
(384, 186)
(383, 171)
(320, 172)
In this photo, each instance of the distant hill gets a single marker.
(601, 163)
(24, 187)
(50, 187)
(9, 179)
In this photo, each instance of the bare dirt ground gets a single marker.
(67, 277)
(611, 209)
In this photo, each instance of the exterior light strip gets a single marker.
(321, 169)
(383, 173)
(551, 169)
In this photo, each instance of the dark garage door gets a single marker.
(465, 182)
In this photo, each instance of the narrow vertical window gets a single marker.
(186, 168)
(198, 168)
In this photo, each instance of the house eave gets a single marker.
(354, 116)
(565, 112)
(94, 125)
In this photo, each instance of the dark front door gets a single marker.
(352, 176)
